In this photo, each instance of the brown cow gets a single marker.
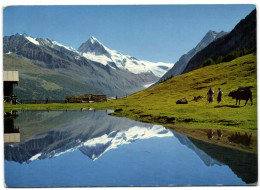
(242, 94)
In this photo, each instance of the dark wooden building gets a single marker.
(10, 79)
(87, 98)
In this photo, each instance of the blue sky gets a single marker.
(153, 33)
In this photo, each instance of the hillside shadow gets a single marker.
(229, 106)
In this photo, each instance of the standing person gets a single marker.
(219, 95)
(210, 95)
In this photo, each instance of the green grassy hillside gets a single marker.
(159, 102)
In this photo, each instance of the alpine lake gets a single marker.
(82, 148)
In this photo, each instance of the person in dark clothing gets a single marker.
(219, 98)
(210, 95)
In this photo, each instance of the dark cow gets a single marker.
(242, 94)
(196, 98)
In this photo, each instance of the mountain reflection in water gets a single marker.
(94, 133)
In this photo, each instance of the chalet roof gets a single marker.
(11, 76)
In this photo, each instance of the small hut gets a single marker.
(10, 79)
(87, 98)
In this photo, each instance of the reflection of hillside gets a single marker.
(209, 161)
(243, 164)
(93, 133)
(35, 122)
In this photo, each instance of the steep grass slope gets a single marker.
(158, 104)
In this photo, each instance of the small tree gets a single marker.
(208, 62)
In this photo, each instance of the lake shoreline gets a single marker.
(188, 128)
(135, 114)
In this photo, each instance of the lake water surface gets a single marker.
(91, 148)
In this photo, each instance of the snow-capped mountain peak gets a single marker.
(30, 39)
(93, 46)
(45, 42)
(93, 40)
(54, 44)
(94, 50)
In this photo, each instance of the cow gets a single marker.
(242, 94)
(196, 98)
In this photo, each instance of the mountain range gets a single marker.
(49, 69)
(46, 67)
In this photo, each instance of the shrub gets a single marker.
(169, 77)
(229, 57)
(208, 62)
